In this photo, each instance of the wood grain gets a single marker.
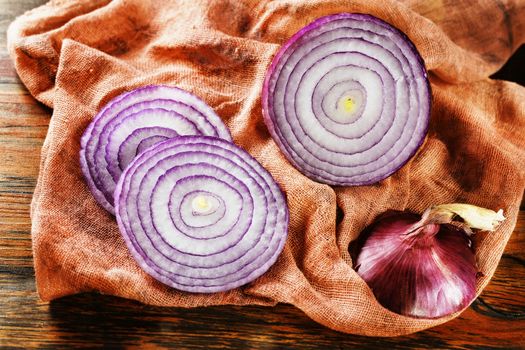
(495, 321)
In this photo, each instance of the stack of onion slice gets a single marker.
(132, 122)
(347, 99)
(197, 212)
(200, 214)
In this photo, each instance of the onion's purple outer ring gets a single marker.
(278, 230)
(265, 98)
(84, 166)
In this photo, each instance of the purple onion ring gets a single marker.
(347, 99)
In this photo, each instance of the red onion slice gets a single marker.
(347, 99)
(134, 121)
(200, 214)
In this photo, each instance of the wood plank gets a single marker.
(95, 319)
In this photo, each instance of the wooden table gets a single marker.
(495, 320)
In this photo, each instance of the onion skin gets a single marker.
(327, 148)
(428, 275)
(423, 266)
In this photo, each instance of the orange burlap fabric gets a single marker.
(75, 55)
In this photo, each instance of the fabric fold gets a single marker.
(75, 55)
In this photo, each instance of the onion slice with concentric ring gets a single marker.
(347, 99)
(200, 214)
(134, 121)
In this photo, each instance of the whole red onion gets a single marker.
(424, 266)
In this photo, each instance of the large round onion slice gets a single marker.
(200, 214)
(134, 121)
(347, 99)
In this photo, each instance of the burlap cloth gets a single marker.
(75, 55)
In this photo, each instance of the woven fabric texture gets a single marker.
(75, 55)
